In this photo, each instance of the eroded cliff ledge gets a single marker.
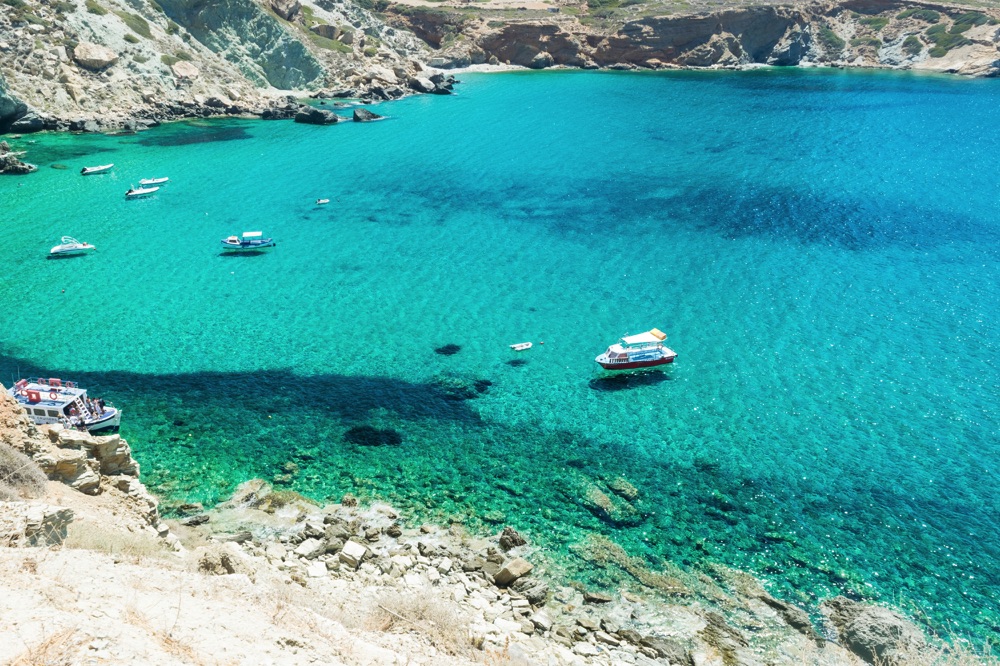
(861, 33)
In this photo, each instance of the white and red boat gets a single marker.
(58, 401)
(644, 350)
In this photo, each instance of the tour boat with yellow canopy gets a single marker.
(645, 350)
(57, 401)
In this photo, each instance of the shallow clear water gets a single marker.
(821, 247)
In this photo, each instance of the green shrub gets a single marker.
(866, 41)
(329, 44)
(184, 55)
(95, 8)
(830, 40)
(938, 52)
(16, 4)
(172, 28)
(967, 21)
(603, 4)
(912, 46)
(63, 7)
(139, 58)
(370, 51)
(168, 60)
(876, 23)
(928, 15)
(374, 5)
(136, 24)
(131, 39)
(944, 39)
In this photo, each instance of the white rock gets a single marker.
(541, 620)
(413, 580)
(507, 626)
(433, 575)
(352, 554)
(586, 650)
(444, 566)
(182, 69)
(94, 56)
(309, 549)
(316, 570)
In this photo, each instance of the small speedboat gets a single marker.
(250, 240)
(70, 245)
(139, 192)
(146, 182)
(320, 202)
(521, 346)
(87, 171)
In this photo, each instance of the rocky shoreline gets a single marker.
(464, 598)
(99, 66)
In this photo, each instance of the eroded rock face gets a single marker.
(11, 108)
(94, 56)
(874, 633)
(286, 9)
(27, 524)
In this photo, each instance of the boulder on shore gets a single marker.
(313, 116)
(874, 633)
(286, 9)
(94, 56)
(365, 116)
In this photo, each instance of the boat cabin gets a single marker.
(56, 401)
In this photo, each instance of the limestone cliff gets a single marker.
(856, 33)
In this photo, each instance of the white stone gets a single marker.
(309, 549)
(433, 575)
(444, 566)
(586, 650)
(352, 554)
(94, 56)
(507, 626)
(541, 620)
(182, 69)
(316, 570)
(413, 580)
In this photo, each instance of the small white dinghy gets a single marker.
(147, 182)
(320, 202)
(521, 346)
(70, 245)
(87, 171)
(138, 192)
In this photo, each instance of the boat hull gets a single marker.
(107, 422)
(635, 365)
(247, 246)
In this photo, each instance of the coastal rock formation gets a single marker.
(314, 116)
(887, 35)
(94, 56)
(11, 108)
(24, 524)
(874, 633)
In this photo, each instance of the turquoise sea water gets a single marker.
(823, 249)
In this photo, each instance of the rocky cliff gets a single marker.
(856, 33)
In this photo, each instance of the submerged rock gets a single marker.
(509, 538)
(448, 349)
(369, 436)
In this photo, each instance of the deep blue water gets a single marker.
(822, 248)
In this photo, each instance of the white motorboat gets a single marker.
(147, 182)
(139, 192)
(70, 245)
(250, 240)
(57, 401)
(320, 202)
(521, 346)
(644, 350)
(87, 171)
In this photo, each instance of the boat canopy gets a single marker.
(649, 337)
(252, 234)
